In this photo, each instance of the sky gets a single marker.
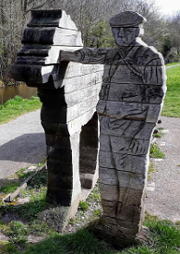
(168, 7)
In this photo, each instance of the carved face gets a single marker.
(124, 36)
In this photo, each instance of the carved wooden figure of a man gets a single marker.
(130, 102)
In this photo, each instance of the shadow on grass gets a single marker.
(35, 195)
(26, 212)
(164, 238)
(81, 242)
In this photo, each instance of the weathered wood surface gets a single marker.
(69, 93)
(126, 83)
(130, 102)
(51, 18)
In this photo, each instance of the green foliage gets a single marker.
(98, 212)
(23, 175)
(17, 232)
(41, 176)
(149, 217)
(36, 191)
(18, 106)
(81, 242)
(158, 135)
(9, 188)
(137, 250)
(165, 235)
(36, 204)
(172, 99)
(173, 64)
(30, 210)
(100, 37)
(50, 246)
(83, 205)
(151, 170)
(8, 248)
(95, 195)
(38, 180)
(164, 239)
(39, 228)
(155, 152)
(166, 45)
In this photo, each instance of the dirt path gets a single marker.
(22, 143)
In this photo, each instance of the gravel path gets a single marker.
(22, 143)
(163, 195)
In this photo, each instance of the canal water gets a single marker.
(9, 92)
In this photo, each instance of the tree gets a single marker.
(91, 17)
(174, 29)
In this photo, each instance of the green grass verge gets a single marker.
(171, 106)
(164, 237)
(18, 106)
(172, 64)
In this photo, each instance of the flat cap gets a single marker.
(127, 19)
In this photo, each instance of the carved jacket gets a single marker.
(134, 74)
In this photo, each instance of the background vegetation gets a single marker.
(92, 18)
(172, 99)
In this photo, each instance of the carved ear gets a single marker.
(140, 32)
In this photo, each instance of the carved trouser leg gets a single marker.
(123, 168)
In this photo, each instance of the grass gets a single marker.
(155, 152)
(36, 192)
(151, 170)
(9, 188)
(173, 64)
(30, 211)
(81, 242)
(17, 232)
(164, 237)
(18, 106)
(171, 106)
(83, 205)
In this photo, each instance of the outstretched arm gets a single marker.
(85, 55)
(73, 56)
